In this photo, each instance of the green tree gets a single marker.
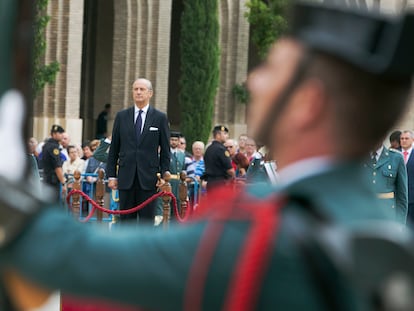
(267, 22)
(42, 73)
(199, 67)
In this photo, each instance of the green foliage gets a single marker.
(241, 93)
(199, 66)
(267, 21)
(42, 73)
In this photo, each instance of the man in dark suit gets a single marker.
(407, 140)
(140, 148)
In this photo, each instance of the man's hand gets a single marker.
(64, 191)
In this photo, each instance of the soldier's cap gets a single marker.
(376, 43)
(56, 129)
(175, 134)
(222, 128)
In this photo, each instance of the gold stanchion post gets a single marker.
(183, 193)
(77, 185)
(166, 209)
(100, 193)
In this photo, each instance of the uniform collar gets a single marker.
(304, 169)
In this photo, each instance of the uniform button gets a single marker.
(373, 181)
(390, 175)
(374, 173)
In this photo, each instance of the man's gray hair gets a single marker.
(409, 132)
(148, 82)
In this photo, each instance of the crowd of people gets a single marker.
(57, 158)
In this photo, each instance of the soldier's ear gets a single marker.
(309, 103)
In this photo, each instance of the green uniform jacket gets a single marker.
(101, 153)
(150, 268)
(388, 178)
(176, 166)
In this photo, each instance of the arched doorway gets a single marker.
(96, 62)
(174, 110)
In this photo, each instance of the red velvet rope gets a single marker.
(96, 206)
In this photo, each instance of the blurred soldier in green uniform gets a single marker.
(177, 162)
(388, 176)
(247, 250)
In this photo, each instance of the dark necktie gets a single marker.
(138, 125)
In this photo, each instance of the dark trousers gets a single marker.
(132, 197)
(215, 183)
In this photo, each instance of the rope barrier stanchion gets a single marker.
(100, 193)
(166, 188)
(96, 206)
(183, 194)
(77, 185)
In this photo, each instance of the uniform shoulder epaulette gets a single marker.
(394, 150)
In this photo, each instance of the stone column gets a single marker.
(234, 47)
(60, 102)
(141, 49)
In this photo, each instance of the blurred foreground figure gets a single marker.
(264, 248)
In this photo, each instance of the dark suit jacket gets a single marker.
(410, 174)
(141, 156)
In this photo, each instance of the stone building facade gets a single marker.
(103, 46)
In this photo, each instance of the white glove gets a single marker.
(13, 162)
(19, 200)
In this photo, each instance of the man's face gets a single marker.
(73, 154)
(230, 146)
(223, 136)
(268, 81)
(395, 144)
(251, 146)
(57, 136)
(242, 141)
(87, 152)
(406, 141)
(198, 150)
(183, 144)
(140, 93)
(174, 141)
(65, 140)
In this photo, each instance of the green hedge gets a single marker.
(199, 67)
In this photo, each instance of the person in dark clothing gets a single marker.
(217, 160)
(52, 161)
(102, 122)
